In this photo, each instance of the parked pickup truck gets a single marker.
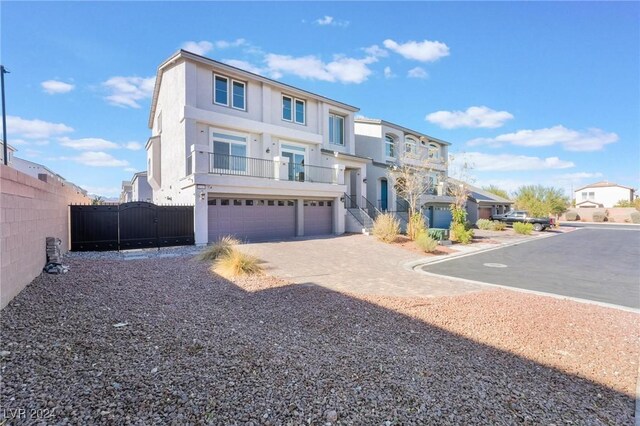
(539, 223)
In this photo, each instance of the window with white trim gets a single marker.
(410, 145)
(434, 151)
(229, 151)
(336, 129)
(389, 146)
(229, 92)
(293, 109)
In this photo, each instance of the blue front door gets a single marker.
(383, 195)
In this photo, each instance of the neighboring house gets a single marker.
(482, 204)
(140, 188)
(35, 170)
(126, 193)
(257, 158)
(385, 143)
(602, 194)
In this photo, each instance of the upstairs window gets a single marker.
(410, 145)
(293, 109)
(389, 146)
(434, 151)
(228, 92)
(336, 129)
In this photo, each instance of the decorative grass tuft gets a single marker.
(236, 263)
(219, 249)
(386, 228)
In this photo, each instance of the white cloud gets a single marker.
(376, 51)
(97, 159)
(509, 162)
(127, 91)
(331, 21)
(130, 169)
(34, 129)
(571, 140)
(87, 143)
(417, 72)
(198, 47)
(475, 116)
(578, 176)
(133, 146)
(388, 73)
(203, 47)
(247, 66)
(424, 51)
(53, 87)
(342, 69)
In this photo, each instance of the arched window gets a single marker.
(389, 146)
(410, 145)
(434, 151)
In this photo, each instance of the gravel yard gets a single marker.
(163, 340)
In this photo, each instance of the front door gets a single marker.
(384, 206)
(296, 156)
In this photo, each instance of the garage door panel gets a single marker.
(251, 221)
(318, 218)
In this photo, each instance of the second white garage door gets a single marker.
(251, 219)
(318, 217)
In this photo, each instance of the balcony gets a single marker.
(279, 168)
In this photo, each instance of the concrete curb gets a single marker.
(432, 261)
(566, 222)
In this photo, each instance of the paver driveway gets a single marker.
(352, 263)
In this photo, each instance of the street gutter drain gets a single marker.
(494, 265)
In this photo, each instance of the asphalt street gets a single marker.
(594, 263)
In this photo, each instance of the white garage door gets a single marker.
(251, 219)
(318, 217)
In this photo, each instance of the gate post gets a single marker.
(201, 217)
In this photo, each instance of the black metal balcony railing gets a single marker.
(241, 166)
(224, 164)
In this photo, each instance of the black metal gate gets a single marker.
(129, 226)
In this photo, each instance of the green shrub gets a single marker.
(635, 217)
(460, 234)
(498, 226)
(485, 224)
(236, 263)
(523, 228)
(416, 226)
(386, 228)
(426, 243)
(438, 234)
(599, 216)
(220, 248)
(572, 216)
(458, 214)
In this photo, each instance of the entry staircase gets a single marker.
(360, 215)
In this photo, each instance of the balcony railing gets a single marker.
(235, 165)
(241, 166)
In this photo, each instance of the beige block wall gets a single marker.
(615, 214)
(30, 211)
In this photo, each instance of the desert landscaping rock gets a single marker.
(202, 350)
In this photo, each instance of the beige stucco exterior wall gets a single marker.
(30, 211)
(608, 196)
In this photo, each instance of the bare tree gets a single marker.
(459, 188)
(413, 176)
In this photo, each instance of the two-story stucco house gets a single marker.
(602, 194)
(257, 158)
(385, 143)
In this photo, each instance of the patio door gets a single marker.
(297, 156)
(229, 152)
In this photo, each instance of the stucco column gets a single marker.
(200, 216)
(281, 168)
(339, 218)
(338, 174)
(200, 158)
(300, 217)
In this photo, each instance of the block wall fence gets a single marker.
(30, 211)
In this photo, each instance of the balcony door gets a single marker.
(229, 152)
(297, 156)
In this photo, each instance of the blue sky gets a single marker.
(533, 92)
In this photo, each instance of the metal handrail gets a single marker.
(224, 164)
(347, 198)
(371, 209)
(301, 172)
